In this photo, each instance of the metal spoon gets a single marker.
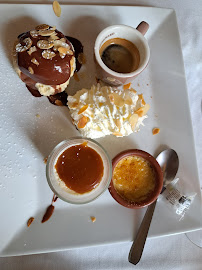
(169, 163)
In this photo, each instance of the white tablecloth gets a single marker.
(174, 252)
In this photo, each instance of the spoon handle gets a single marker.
(138, 245)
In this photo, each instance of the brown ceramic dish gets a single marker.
(158, 178)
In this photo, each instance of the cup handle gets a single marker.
(143, 27)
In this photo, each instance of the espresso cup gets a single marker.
(124, 33)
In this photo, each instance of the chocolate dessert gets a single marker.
(44, 60)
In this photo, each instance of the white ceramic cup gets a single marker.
(136, 36)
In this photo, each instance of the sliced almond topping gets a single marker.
(63, 40)
(82, 122)
(56, 8)
(31, 71)
(48, 54)
(34, 33)
(155, 131)
(117, 134)
(128, 101)
(42, 27)
(58, 102)
(81, 58)
(70, 52)
(143, 110)
(127, 86)
(45, 44)
(141, 97)
(73, 105)
(85, 107)
(133, 90)
(118, 123)
(21, 48)
(30, 220)
(62, 50)
(53, 37)
(34, 61)
(116, 99)
(59, 43)
(46, 33)
(53, 28)
(93, 219)
(133, 121)
(31, 50)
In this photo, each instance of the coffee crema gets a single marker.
(120, 55)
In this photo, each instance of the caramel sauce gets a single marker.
(80, 168)
(134, 179)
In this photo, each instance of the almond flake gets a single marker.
(42, 27)
(118, 123)
(73, 105)
(143, 110)
(116, 99)
(45, 44)
(62, 50)
(31, 71)
(141, 97)
(58, 102)
(127, 86)
(85, 107)
(22, 48)
(31, 50)
(34, 33)
(117, 134)
(48, 54)
(34, 61)
(155, 131)
(53, 37)
(93, 219)
(56, 8)
(82, 122)
(30, 220)
(46, 33)
(133, 121)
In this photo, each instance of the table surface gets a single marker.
(182, 253)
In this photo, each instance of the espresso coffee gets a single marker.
(120, 55)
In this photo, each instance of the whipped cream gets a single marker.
(105, 110)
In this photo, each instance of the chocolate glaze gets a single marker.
(58, 97)
(49, 71)
(24, 61)
(78, 47)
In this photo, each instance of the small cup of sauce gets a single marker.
(78, 170)
(137, 179)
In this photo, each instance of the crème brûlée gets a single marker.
(104, 110)
(134, 179)
(44, 60)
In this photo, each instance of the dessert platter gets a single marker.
(68, 110)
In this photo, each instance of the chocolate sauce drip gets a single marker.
(78, 47)
(33, 91)
(59, 99)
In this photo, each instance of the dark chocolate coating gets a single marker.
(53, 71)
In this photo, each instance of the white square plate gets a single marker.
(26, 139)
